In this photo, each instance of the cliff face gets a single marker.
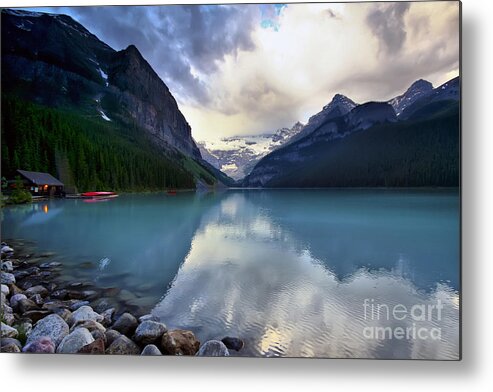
(53, 60)
(147, 100)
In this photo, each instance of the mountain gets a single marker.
(237, 155)
(417, 90)
(437, 99)
(54, 62)
(340, 105)
(371, 146)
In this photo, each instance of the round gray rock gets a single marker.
(73, 342)
(52, 326)
(123, 346)
(5, 290)
(8, 331)
(85, 313)
(15, 299)
(150, 350)
(6, 278)
(41, 290)
(125, 324)
(213, 348)
(149, 331)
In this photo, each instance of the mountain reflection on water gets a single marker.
(288, 271)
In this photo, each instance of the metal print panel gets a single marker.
(260, 180)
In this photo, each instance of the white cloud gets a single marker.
(319, 50)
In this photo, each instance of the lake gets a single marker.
(292, 272)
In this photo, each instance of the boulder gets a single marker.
(6, 341)
(85, 313)
(96, 347)
(10, 348)
(111, 336)
(36, 315)
(52, 326)
(7, 266)
(123, 346)
(14, 300)
(90, 325)
(78, 304)
(25, 305)
(42, 345)
(41, 290)
(63, 313)
(108, 317)
(59, 294)
(97, 334)
(233, 343)
(7, 278)
(125, 324)
(8, 331)
(8, 317)
(213, 348)
(179, 342)
(5, 290)
(148, 317)
(73, 342)
(150, 350)
(149, 332)
(38, 300)
(15, 290)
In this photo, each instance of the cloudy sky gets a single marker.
(251, 69)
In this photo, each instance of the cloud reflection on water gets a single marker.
(247, 276)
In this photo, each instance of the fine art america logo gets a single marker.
(401, 322)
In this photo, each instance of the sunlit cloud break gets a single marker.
(251, 69)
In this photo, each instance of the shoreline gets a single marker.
(43, 313)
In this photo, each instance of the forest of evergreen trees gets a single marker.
(101, 156)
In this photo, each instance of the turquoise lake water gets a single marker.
(292, 272)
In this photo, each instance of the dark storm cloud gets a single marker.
(386, 22)
(176, 40)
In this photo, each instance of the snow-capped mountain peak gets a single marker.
(417, 90)
(237, 155)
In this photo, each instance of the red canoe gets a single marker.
(98, 194)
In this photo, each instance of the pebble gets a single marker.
(213, 348)
(233, 343)
(150, 350)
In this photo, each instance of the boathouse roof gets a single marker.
(39, 178)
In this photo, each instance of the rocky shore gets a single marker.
(40, 314)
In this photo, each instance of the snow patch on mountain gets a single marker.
(237, 155)
(417, 90)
